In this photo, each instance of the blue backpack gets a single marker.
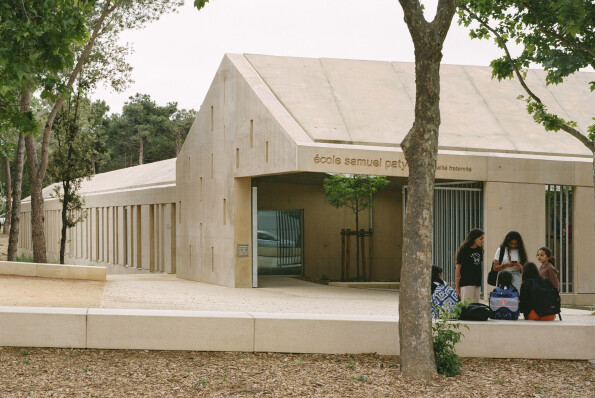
(504, 304)
(443, 297)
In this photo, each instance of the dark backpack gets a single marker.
(475, 312)
(504, 304)
(545, 298)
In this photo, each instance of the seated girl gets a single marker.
(443, 296)
(527, 299)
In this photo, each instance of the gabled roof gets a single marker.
(371, 103)
(146, 175)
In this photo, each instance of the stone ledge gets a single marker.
(272, 332)
(367, 285)
(58, 271)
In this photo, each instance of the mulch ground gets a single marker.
(42, 372)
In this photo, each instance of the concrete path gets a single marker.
(159, 291)
(277, 294)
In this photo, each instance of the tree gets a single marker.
(69, 165)
(557, 35)
(354, 192)
(420, 147)
(36, 41)
(145, 130)
(123, 14)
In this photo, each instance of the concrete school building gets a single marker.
(244, 197)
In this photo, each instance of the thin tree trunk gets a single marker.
(13, 238)
(178, 141)
(8, 197)
(65, 202)
(93, 163)
(37, 216)
(357, 238)
(420, 148)
(141, 152)
(37, 171)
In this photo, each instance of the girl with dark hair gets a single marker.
(469, 263)
(513, 259)
(547, 269)
(443, 296)
(436, 277)
(526, 301)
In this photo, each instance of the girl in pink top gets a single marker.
(547, 269)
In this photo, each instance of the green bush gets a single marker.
(446, 335)
(25, 259)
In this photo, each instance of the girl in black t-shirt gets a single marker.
(469, 262)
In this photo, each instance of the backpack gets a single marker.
(475, 312)
(545, 297)
(504, 304)
(443, 297)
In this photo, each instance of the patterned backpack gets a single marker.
(443, 297)
(504, 304)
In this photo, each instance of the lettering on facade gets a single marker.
(380, 163)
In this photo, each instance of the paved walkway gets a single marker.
(158, 291)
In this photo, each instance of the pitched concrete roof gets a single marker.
(371, 103)
(146, 175)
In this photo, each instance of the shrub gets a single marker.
(446, 335)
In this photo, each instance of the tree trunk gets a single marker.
(13, 238)
(37, 216)
(178, 141)
(8, 196)
(357, 238)
(141, 151)
(420, 148)
(65, 202)
(594, 190)
(93, 163)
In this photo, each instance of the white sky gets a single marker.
(176, 58)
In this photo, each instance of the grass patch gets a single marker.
(25, 259)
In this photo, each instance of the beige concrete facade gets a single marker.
(128, 227)
(280, 124)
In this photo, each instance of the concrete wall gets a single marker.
(584, 245)
(323, 223)
(235, 133)
(126, 231)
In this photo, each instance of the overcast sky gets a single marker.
(176, 58)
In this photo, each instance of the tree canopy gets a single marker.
(143, 133)
(558, 35)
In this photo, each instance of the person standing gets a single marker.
(469, 264)
(515, 256)
(547, 269)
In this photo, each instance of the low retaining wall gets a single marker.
(53, 270)
(265, 332)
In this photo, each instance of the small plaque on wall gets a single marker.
(243, 251)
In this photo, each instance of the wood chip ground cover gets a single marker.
(50, 372)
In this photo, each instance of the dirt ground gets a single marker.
(36, 372)
(50, 372)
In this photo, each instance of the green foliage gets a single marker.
(199, 4)
(25, 259)
(558, 35)
(36, 43)
(446, 335)
(353, 191)
(69, 164)
(158, 131)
